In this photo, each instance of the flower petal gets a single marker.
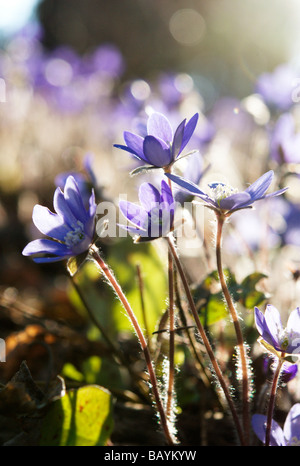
(291, 428)
(189, 130)
(259, 422)
(274, 194)
(128, 149)
(46, 246)
(74, 199)
(293, 323)
(166, 194)
(269, 325)
(159, 126)
(48, 223)
(293, 330)
(134, 231)
(260, 186)
(43, 260)
(178, 138)
(157, 152)
(289, 372)
(89, 226)
(274, 325)
(134, 143)
(62, 208)
(235, 201)
(149, 196)
(133, 212)
(191, 187)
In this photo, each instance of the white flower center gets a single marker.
(219, 191)
(76, 235)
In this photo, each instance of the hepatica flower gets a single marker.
(286, 437)
(160, 147)
(154, 218)
(224, 199)
(70, 230)
(276, 338)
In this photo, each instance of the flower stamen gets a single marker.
(76, 235)
(220, 191)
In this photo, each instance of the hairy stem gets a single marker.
(205, 340)
(272, 401)
(141, 288)
(172, 335)
(237, 327)
(171, 323)
(113, 348)
(114, 283)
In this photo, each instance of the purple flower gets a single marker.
(274, 336)
(285, 141)
(71, 228)
(160, 147)
(154, 218)
(286, 437)
(288, 372)
(277, 88)
(224, 199)
(85, 181)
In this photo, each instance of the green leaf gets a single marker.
(69, 371)
(123, 259)
(82, 417)
(249, 296)
(214, 310)
(210, 300)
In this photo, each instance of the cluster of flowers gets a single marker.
(71, 231)
(72, 84)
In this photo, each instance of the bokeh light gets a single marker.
(187, 26)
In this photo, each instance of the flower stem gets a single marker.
(205, 340)
(141, 288)
(237, 327)
(171, 323)
(120, 359)
(114, 283)
(172, 335)
(272, 401)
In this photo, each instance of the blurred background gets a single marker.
(73, 76)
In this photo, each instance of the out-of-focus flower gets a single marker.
(224, 199)
(254, 230)
(85, 181)
(286, 437)
(285, 141)
(274, 336)
(291, 234)
(70, 229)
(160, 147)
(154, 218)
(288, 371)
(277, 88)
